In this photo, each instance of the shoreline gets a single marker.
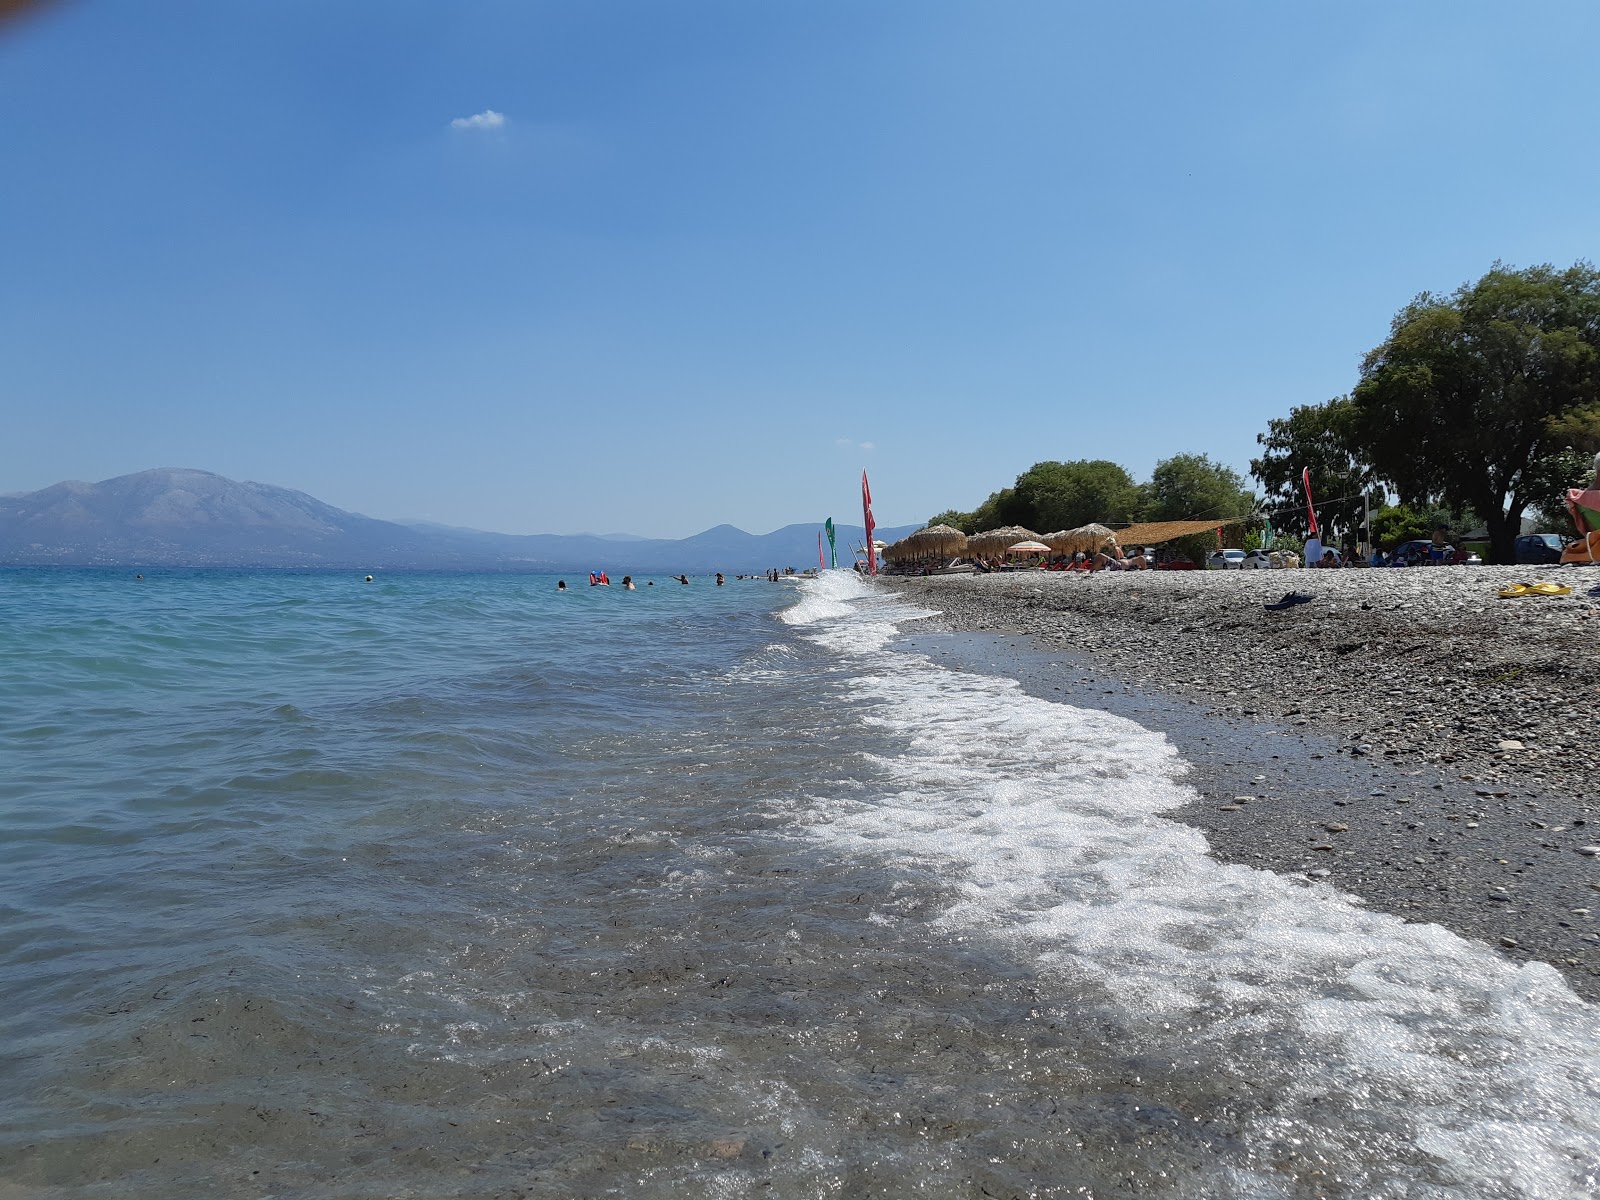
(1300, 769)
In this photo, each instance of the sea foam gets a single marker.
(1047, 819)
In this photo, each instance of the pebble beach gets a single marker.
(1406, 735)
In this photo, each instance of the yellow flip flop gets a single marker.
(1550, 589)
(1515, 590)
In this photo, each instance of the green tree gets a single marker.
(954, 519)
(1001, 508)
(1479, 399)
(1315, 436)
(1396, 523)
(1190, 487)
(1064, 495)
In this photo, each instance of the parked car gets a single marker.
(1176, 563)
(1538, 548)
(1225, 560)
(1256, 560)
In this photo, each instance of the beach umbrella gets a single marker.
(936, 541)
(1084, 537)
(1028, 548)
(998, 541)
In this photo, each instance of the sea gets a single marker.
(452, 885)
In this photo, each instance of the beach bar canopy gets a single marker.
(998, 541)
(1153, 533)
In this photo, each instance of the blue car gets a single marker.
(1538, 548)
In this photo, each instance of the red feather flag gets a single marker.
(866, 513)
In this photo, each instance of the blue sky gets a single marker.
(717, 257)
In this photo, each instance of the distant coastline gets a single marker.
(183, 518)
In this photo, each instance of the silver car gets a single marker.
(1225, 560)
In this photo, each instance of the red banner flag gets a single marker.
(1305, 478)
(866, 513)
(822, 563)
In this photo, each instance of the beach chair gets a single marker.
(1584, 505)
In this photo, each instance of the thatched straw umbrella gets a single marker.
(1084, 537)
(998, 541)
(937, 539)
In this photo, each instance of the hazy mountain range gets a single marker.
(178, 517)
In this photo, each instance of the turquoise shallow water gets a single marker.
(182, 744)
(453, 886)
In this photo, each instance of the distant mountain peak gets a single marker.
(183, 516)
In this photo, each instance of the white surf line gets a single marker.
(1048, 817)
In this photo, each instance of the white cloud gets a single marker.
(851, 444)
(487, 119)
(868, 446)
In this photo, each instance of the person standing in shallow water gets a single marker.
(719, 579)
(627, 582)
(561, 585)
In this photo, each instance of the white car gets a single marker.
(1225, 560)
(1257, 560)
